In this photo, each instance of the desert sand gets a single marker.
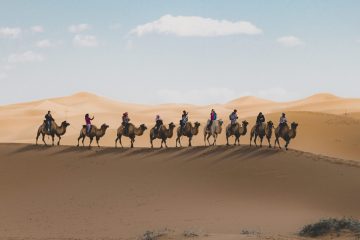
(217, 192)
(327, 124)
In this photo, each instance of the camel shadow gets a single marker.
(29, 148)
(72, 149)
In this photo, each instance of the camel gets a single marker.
(188, 131)
(54, 130)
(132, 132)
(286, 134)
(264, 130)
(237, 131)
(94, 133)
(214, 131)
(162, 134)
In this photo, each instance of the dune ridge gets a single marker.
(326, 122)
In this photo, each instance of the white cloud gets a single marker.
(79, 28)
(290, 41)
(28, 56)
(46, 43)
(194, 26)
(37, 29)
(197, 96)
(7, 32)
(85, 41)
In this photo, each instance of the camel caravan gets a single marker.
(163, 132)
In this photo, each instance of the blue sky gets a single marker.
(179, 51)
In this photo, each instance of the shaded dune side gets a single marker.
(120, 193)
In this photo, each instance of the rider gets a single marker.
(233, 117)
(48, 120)
(88, 123)
(125, 122)
(282, 122)
(158, 124)
(213, 117)
(183, 121)
(260, 119)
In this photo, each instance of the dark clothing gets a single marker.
(158, 124)
(183, 121)
(260, 119)
(125, 123)
(48, 120)
(209, 125)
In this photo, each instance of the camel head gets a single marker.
(143, 127)
(104, 126)
(171, 125)
(221, 122)
(270, 124)
(65, 124)
(245, 123)
(197, 124)
(294, 125)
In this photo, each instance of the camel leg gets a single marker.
(151, 142)
(97, 141)
(278, 142)
(52, 139)
(120, 141)
(116, 140)
(190, 138)
(251, 137)
(83, 139)
(214, 143)
(79, 140)
(37, 137)
(237, 140)
(287, 144)
(227, 140)
(59, 140)
(208, 137)
(255, 140)
(43, 138)
(261, 140)
(162, 140)
(165, 143)
(177, 140)
(269, 142)
(91, 139)
(205, 139)
(132, 142)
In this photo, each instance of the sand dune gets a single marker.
(324, 127)
(69, 192)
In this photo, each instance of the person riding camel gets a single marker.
(158, 124)
(125, 122)
(48, 121)
(183, 121)
(282, 122)
(233, 118)
(88, 123)
(213, 117)
(260, 119)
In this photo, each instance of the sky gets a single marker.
(186, 51)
